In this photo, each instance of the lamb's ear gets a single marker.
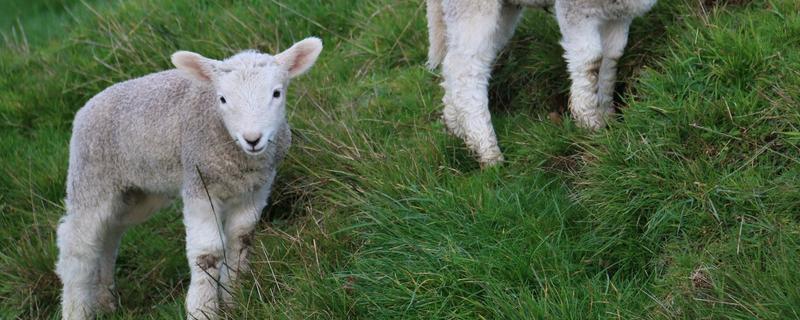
(199, 67)
(301, 56)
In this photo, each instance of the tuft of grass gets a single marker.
(686, 207)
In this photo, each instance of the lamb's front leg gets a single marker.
(615, 37)
(240, 223)
(583, 51)
(204, 248)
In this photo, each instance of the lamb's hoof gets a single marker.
(488, 162)
(78, 312)
(594, 121)
(106, 300)
(202, 315)
(591, 125)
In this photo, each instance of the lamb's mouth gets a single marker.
(254, 151)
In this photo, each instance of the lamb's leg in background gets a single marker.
(82, 237)
(583, 50)
(204, 249)
(509, 17)
(436, 33)
(135, 208)
(475, 33)
(240, 223)
(105, 295)
(615, 37)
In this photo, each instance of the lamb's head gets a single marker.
(251, 88)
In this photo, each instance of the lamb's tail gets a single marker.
(436, 34)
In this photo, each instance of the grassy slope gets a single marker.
(686, 209)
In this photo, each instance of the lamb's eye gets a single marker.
(276, 94)
(222, 99)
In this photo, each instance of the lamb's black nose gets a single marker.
(252, 139)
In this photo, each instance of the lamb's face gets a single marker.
(251, 88)
(252, 104)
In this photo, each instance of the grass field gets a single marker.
(687, 207)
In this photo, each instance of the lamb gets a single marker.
(210, 131)
(466, 35)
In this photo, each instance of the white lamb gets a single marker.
(212, 132)
(465, 36)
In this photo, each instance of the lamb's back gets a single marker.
(130, 133)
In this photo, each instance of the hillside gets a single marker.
(686, 207)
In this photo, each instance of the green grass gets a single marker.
(688, 207)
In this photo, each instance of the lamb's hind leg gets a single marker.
(475, 32)
(83, 235)
(583, 51)
(615, 37)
